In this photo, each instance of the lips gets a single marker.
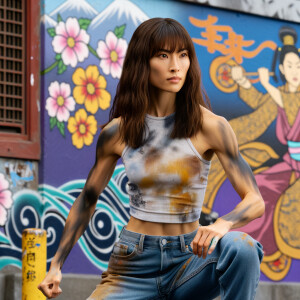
(174, 79)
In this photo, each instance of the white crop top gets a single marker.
(167, 177)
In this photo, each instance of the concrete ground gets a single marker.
(79, 287)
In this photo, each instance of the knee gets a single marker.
(241, 248)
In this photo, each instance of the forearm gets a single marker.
(251, 207)
(76, 223)
(274, 93)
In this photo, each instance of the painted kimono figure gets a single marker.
(281, 181)
(166, 134)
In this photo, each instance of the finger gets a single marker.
(56, 289)
(213, 244)
(194, 243)
(45, 290)
(202, 243)
(207, 243)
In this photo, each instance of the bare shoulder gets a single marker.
(216, 130)
(109, 140)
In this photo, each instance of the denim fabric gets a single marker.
(164, 267)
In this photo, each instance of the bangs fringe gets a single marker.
(168, 36)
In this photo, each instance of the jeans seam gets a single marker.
(183, 280)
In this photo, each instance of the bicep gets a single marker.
(105, 163)
(236, 168)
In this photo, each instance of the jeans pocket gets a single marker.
(124, 249)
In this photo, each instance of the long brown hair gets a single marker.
(132, 98)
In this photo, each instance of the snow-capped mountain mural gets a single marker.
(74, 8)
(48, 21)
(119, 12)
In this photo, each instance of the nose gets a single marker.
(174, 65)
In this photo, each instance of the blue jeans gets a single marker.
(164, 267)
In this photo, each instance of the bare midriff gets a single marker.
(162, 229)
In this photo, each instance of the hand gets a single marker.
(50, 285)
(237, 74)
(207, 237)
(264, 76)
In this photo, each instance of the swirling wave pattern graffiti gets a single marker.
(48, 209)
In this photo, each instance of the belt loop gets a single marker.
(182, 243)
(121, 231)
(141, 243)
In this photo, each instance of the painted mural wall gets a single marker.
(251, 72)
(285, 10)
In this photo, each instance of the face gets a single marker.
(291, 69)
(168, 70)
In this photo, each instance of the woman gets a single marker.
(166, 136)
(280, 181)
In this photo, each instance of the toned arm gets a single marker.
(219, 138)
(107, 154)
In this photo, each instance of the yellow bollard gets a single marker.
(34, 262)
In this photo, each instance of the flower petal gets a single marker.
(62, 114)
(88, 139)
(77, 140)
(83, 37)
(92, 124)
(81, 115)
(59, 43)
(60, 29)
(91, 104)
(54, 89)
(69, 103)
(80, 94)
(65, 89)
(121, 48)
(105, 66)
(102, 50)
(72, 27)
(6, 199)
(69, 57)
(79, 77)
(51, 107)
(116, 70)
(101, 82)
(81, 50)
(72, 125)
(92, 73)
(104, 99)
(111, 40)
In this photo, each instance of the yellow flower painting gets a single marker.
(83, 128)
(90, 89)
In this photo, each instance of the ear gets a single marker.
(281, 69)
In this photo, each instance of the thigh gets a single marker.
(198, 278)
(116, 287)
(201, 284)
(127, 276)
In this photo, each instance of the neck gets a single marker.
(162, 103)
(292, 88)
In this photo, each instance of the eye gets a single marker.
(184, 54)
(163, 55)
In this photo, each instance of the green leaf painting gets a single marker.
(51, 31)
(119, 31)
(84, 23)
(61, 128)
(53, 122)
(61, 67)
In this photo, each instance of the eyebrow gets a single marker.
(168, 51)
(289, 62)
